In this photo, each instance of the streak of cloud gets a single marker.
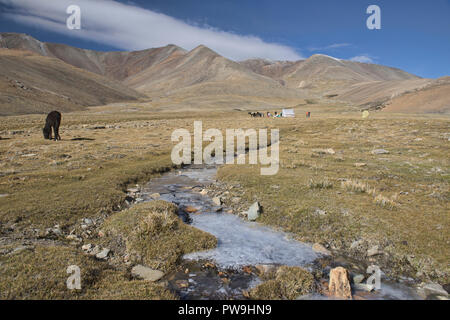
(129, 27)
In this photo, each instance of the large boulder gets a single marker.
(143, 272)
(434, 289)
(254, 212)
(339, 285)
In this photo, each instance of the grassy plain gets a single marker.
(398, 200)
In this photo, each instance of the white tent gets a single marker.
(288, 113)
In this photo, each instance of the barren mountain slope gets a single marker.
(204, 71)
(325, 73)
(433, 98)
(376, 93)
(159, 70)
(275, 70)
(30, 83)
(116, 65)
(172, 71)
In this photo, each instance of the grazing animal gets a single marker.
(256, 114)
(53, 121)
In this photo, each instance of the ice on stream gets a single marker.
(240, 242)
(247, 243)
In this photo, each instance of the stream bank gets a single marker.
(231, 269)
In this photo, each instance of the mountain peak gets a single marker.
(323, 56)
(203, 50)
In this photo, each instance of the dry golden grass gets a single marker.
(397, 200)
(357, 186)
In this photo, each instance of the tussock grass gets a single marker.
(384, 202)
(357, 186)
(320, 184)
(155, 236)
(287, 283)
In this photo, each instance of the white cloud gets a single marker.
(129, 27)
(331, 46)
(363, 59)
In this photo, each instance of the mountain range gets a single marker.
(70, 78)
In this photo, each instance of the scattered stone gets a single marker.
(95, 250)
(3, 195)
(380, 151)
(204, 192)
(265, 268)
(87, 247)
(364, 287)
(360, 164)
(324, 151)
(88, 221)
(236, 200)
(182, 283)
(339, 285)
(217, 201)
(101, 234)
(317, 247)
(55, 231)
(190, 209)
(247, 269)
(103, 255)
(434, 288)
(209, 265)
(358, 278)
(373, 251)
(320, 212)
(155, 195)
(254, 212)
(146, 273)
(74, 237)
(356, 244)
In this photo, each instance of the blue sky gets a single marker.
(414, 35)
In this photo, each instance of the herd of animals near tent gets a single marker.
(286, 113)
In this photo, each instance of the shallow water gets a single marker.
(240, 243)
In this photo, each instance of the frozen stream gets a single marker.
(240, 243)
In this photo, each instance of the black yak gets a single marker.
(53, 121)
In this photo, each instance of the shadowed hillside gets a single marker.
(30, 83)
